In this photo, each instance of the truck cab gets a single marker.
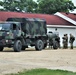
(9, 32)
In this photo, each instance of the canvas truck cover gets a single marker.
(32, 26)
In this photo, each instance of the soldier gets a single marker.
(50, 40)
(71, 40)
(50, 43)
(56, 32)
(64, 41)
(57, 37)
(58, 41)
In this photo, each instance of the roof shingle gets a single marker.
(50, 19)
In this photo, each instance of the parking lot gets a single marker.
(13, 62)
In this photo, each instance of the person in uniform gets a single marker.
(64, 41)
(71, 40)
(50, 40)
(57, 37)
(59, 42)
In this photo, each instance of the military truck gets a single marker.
(26, 32)
(53, 40)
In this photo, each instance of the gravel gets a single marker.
(13, 62)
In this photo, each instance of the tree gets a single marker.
(31, 6)
(19, 5)
(41, 6)
(53, 6)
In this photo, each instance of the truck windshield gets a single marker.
(5, 27)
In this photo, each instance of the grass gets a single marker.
(44, 72)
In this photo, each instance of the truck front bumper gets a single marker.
(4, 42)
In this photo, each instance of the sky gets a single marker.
(74, 1)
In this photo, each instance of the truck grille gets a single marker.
(2, 37)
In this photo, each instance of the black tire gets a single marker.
(23, 48)
(55, 45)
(17, 46)
(39, 45)
(1, 48)
(45, 45)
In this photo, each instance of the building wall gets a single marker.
(62, 31)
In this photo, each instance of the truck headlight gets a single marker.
(6, 40)
(7, 32)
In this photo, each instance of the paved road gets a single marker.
(12, 62)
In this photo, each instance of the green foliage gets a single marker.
(19, 5)
(44, 72)
(52, 6)
(41, 6)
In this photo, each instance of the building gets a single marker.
(65, 23)
(62, 22)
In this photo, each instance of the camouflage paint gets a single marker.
(32, 26)
(9, 34)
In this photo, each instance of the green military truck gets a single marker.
(23, 33)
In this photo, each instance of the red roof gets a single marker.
(70, 15)
(50, 19)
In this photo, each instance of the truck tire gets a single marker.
(23, 48)
(1, 48)
(55, 45)
(39, 45)
(17, 46)
(45, 45)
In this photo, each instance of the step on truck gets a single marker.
(19, 33)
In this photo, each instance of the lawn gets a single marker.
(44, 72)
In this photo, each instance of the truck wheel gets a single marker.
(23, 48)
(1, 48)
(45, 45)
(17, 46)
(39, 45)
(55, 45)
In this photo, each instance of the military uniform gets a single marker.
(71, 40)
(64, 41)
(58, 40)
(50, 39)
(50, 43)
